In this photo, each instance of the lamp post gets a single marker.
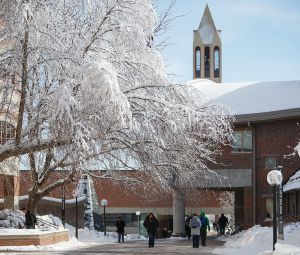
(75, 194)
(280, 195)
(274, 178)
(63, 206)
(104, 204)
(138, 213)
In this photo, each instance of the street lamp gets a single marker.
(280, 196)
(274, 178)
(63, 206)
(104, 203)
(75, 194)
(138, 213)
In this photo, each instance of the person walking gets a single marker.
(204, 227)
(195, 225)
(187, 226)
(151, 225)
(30, 220)
(120, 225)
(223, 221)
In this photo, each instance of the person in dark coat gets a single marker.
(187, 226)
(30, 220)
(120, 225)
(204, 227)
(151, 225)
(223, 221)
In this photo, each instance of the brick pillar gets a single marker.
(178, 213)
(11, 191)
(248, 207)
(239, 206)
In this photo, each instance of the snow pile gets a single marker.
(11, 219)
(86, 238)
(93, 236)
(16, 219)
(294, 181)
(291, 243)
(259, 240)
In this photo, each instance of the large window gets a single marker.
(242, 141)
(198, 62)
(130, 219)
(207, 62)
(270, 163)
(7, 132)
(217, 62)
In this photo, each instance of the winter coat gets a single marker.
(120, 225)
(151, 225)
(204, 222)
(30, 219)
(223, 221)
(195, 231)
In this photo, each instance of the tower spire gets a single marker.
(207, 49)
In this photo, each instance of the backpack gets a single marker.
(194, 222)
(202, 220)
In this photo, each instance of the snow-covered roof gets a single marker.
(293, 183)
(250, 98)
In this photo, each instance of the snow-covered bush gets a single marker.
(12, 219)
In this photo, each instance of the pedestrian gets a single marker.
(151, 225)
(30, 220)
(223, 221)
(187, 226)
(120, 225)
(195, 225)
(204, 227)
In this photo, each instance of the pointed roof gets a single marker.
(207, 28)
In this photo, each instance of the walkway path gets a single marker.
(163, 246)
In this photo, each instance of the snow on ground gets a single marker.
(259, 240)
(86, 238)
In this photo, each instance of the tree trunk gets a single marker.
(33, 201)
(24, 83)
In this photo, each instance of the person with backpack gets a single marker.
(151, 225)
(204, 227)
(195, 225)
(223, 221)
(120, 225)
(187, 226)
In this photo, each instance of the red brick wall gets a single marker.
(274, 139)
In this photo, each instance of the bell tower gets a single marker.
(207, 50)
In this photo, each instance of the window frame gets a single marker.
(7, 132)
(197, 70)
(217, 70)
(242, 142)
(207, 62)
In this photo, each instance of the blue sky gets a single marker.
(260, 38)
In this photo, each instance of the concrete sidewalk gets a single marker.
(162, 246)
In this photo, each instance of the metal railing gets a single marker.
(47, 223)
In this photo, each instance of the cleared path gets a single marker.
(163, 246)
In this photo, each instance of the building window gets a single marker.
(207, 62)
(242, 141)
(269, 208)
(130, 219)
(217, 62)
(198, 62)
(7, 132)
(270, 163)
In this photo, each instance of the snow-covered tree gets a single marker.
(93, 90)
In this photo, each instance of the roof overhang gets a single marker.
(267, 116)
